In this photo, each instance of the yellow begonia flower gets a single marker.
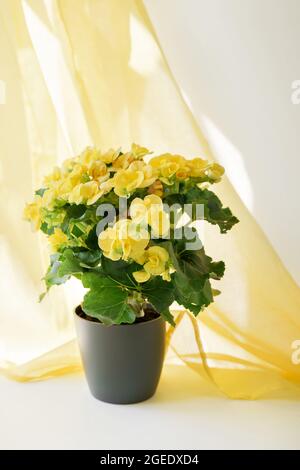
(110, 156)
(123, 242)
(215, 172)
(107, 186)
(126, 181)
(89, 155)
(85, 192)
(150, 174)
(55, 176)
(183, 173)
(169, 169)
(197, 166)
(141, 276)
(139, 152)
(123, 162)
(48, 198)
(159, 221)
(168, 165)
(150, 211)
(71, 180)
(157, 258)
(57, 239)
(64, 187)
(166, 158)
(139, 208)
(69, 163)
(32, 213)
(153, 199)
(109, 244)
(98, 171)
(156, 263)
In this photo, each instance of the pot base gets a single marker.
(132, 401)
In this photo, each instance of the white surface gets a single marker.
(61, 414)
(235, 61)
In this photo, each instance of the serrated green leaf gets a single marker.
(69, 265)
(193, 295)
(217, 270)
(214, 212)
(106, 300)
(192, 288)
(160, 294)
(120, 271)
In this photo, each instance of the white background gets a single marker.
(235, 61)
(62, 414)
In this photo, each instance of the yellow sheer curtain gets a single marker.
(92, 72)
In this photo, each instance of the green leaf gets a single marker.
(192, 288)
(192, 294)
(217, 270)
(174, 199)
(214, 212)
(120, 271)
(160, 294)
(75, 262)
(76, 231)
(40, 192)
(47, 230)
(195, 263)
(168, 317)
(89, 259)
(106, 300)
(92, 239)
(75, 212)
(69, 264)
(191, 279)
(53, 277)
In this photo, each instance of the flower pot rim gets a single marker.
(126, 325)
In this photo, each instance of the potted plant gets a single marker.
(115, 221)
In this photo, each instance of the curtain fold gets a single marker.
(95, 74)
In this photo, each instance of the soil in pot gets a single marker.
(150, 314)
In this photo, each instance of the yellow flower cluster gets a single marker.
(93, 174)
(129, 239)
(84, 179)
(124, 241)
(175, 166)
(150, 211)
(32, 212)
(156, 263)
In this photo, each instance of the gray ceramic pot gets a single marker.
(122, 363)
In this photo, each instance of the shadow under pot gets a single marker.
(122, 363)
